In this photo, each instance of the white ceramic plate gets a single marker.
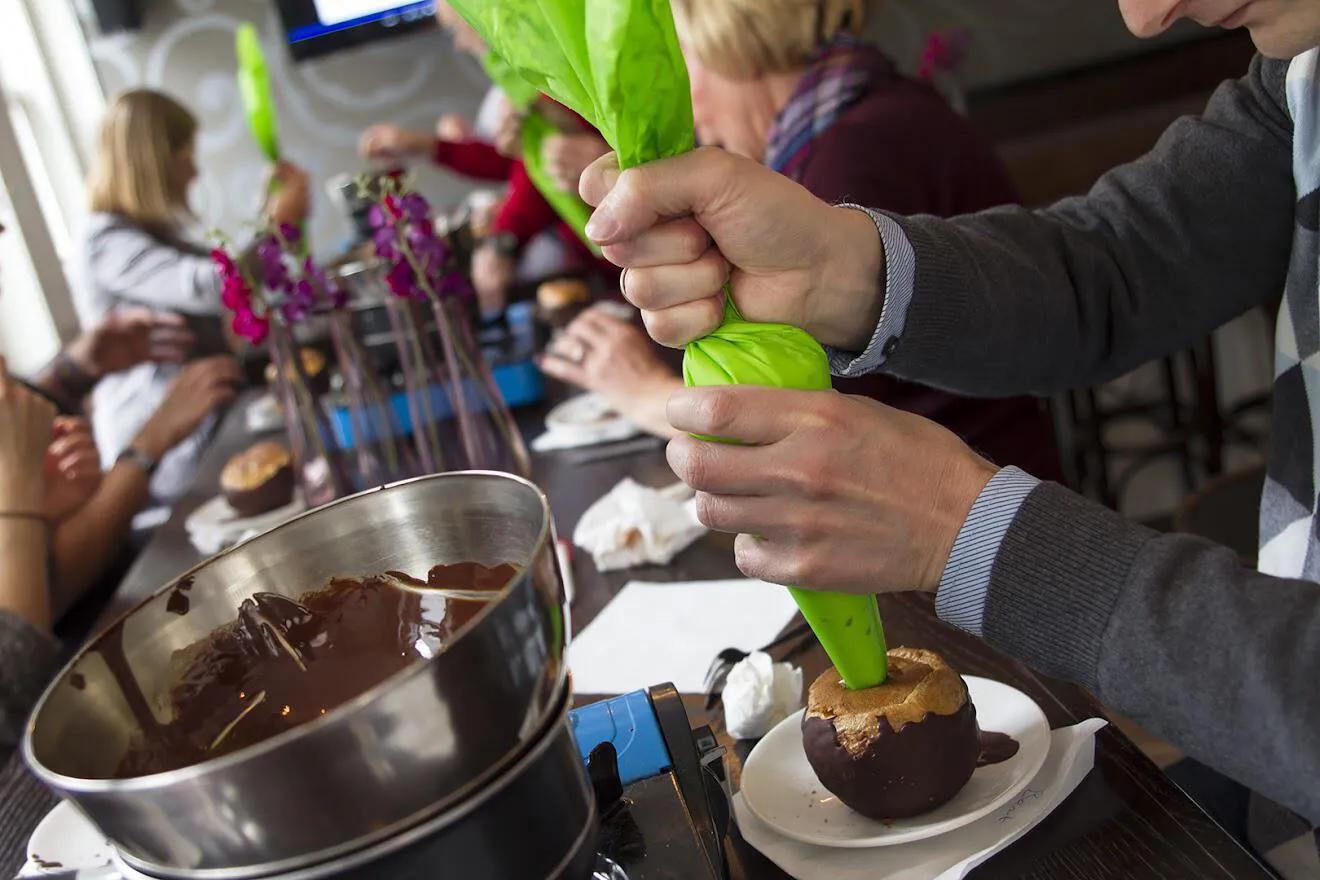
(782, 790)
(586, 420)
(586, 412)
(65, 841)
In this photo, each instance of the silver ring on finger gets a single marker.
(623, 284)
(572, 350)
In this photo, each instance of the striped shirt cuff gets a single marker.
(900, 282)
(966, 582)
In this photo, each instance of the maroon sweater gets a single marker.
(902, 149)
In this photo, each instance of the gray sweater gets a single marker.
(1169, 630)
(123, 265)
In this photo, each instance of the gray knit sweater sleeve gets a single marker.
(28, 661)
(1166, 629)
(1171, 631)
(1161, 252)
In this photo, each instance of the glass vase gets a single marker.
(366, 427)
(459, 419)
(317, 463)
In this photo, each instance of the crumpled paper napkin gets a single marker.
(635, 525)
(264, 415)
(758, 694)
(948, 856)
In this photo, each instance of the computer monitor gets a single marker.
(318, 27)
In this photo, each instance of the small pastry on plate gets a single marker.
(896, 750)
(259, 479)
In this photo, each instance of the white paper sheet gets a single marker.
(656, 633)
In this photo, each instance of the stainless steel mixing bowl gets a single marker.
(405, 751)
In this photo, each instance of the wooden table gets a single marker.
(1127, 820)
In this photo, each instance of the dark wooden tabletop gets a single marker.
(1126, 820)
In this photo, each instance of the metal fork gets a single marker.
(718, 672)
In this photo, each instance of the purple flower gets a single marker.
(303, 292)
(425, 244)
(294, 311)
(403, 283)
(290, 234)
(415, 207)
(275, 274)
(338, 296)
(386, 242)
(405, 238)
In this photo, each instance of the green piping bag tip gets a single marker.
(848, 626)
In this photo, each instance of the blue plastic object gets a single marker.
(629, 722)
(520, 382)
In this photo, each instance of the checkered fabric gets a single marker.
(1290, 540)
(1289, 525)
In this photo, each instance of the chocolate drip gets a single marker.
(996, 748)
(283, 663)
(179, 603)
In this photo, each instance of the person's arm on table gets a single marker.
(89, 541)
(613, 358)
(123, 339)
(28, 653)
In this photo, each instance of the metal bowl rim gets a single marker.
(82, 786)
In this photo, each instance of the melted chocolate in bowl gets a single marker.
(284, 663)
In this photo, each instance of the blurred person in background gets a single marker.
(89, 511)
(491, 152)
(789, 84)
(141, 246)
(63, 523)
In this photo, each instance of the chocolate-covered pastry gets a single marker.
(896, 750)
(314, 365)
(259, 479)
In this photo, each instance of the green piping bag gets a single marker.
(568, 205)
(617, 63)
(254, 89)
(742, 352)
(520, 92)
(536, 128)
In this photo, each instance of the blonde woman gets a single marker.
(141, 247)
(789, 84)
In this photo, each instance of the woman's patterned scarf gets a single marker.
(838, 75)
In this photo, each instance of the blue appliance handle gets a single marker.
(630, 724)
